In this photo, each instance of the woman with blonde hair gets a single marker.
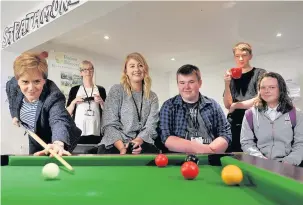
(85, 103)
(38, 104)
(130, 115)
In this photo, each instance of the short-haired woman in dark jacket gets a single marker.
(39, 105)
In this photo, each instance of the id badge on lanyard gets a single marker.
(197, 139)
(89, 112)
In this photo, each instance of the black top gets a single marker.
(195, 125)
(246, 87)
(190, 105)
(192, 111)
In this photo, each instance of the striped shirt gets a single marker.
(28, 113)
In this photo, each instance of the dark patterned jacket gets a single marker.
(52, 121)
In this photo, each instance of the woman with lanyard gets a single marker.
(130, 114)
(85, 104)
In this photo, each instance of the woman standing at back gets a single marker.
(85, 104)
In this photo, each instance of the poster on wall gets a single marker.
(294, 89)
(68, 80)
(64, 71)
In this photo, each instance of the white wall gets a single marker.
(288, 63)
(107, 72)
(160, 86)
(12, 138)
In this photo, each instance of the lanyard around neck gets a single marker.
(91, 95)
(139, 113)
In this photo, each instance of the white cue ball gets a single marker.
(50, 171)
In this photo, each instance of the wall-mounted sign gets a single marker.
(34, 20)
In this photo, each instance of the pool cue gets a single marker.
(44, 145)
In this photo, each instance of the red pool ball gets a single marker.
(161, 160)
(189, 170)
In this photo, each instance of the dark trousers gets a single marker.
(86, 140)
(90, 139)
(35, 146)
(160, 145)
(235, 119)
(146, 148)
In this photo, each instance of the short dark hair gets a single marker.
(189, 69)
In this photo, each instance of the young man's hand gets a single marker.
(233, 107)
(227, 77)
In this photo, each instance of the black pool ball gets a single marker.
(192, 158)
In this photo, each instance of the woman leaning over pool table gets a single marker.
(39, 105)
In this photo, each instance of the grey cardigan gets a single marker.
(120, 120)
(52, 122)
(274, 139)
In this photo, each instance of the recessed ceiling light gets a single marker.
(172, 59)
(106, 37)
(279, 34)
(229, 5)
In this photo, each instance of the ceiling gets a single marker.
(200, 32)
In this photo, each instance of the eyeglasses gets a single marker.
(87, 69)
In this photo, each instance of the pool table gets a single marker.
(135, 179)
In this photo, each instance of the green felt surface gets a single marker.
(127, 180)
(279, 188)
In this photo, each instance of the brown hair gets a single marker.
(285, 102)
(243, 47)
(146, 81)
(28, 62)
